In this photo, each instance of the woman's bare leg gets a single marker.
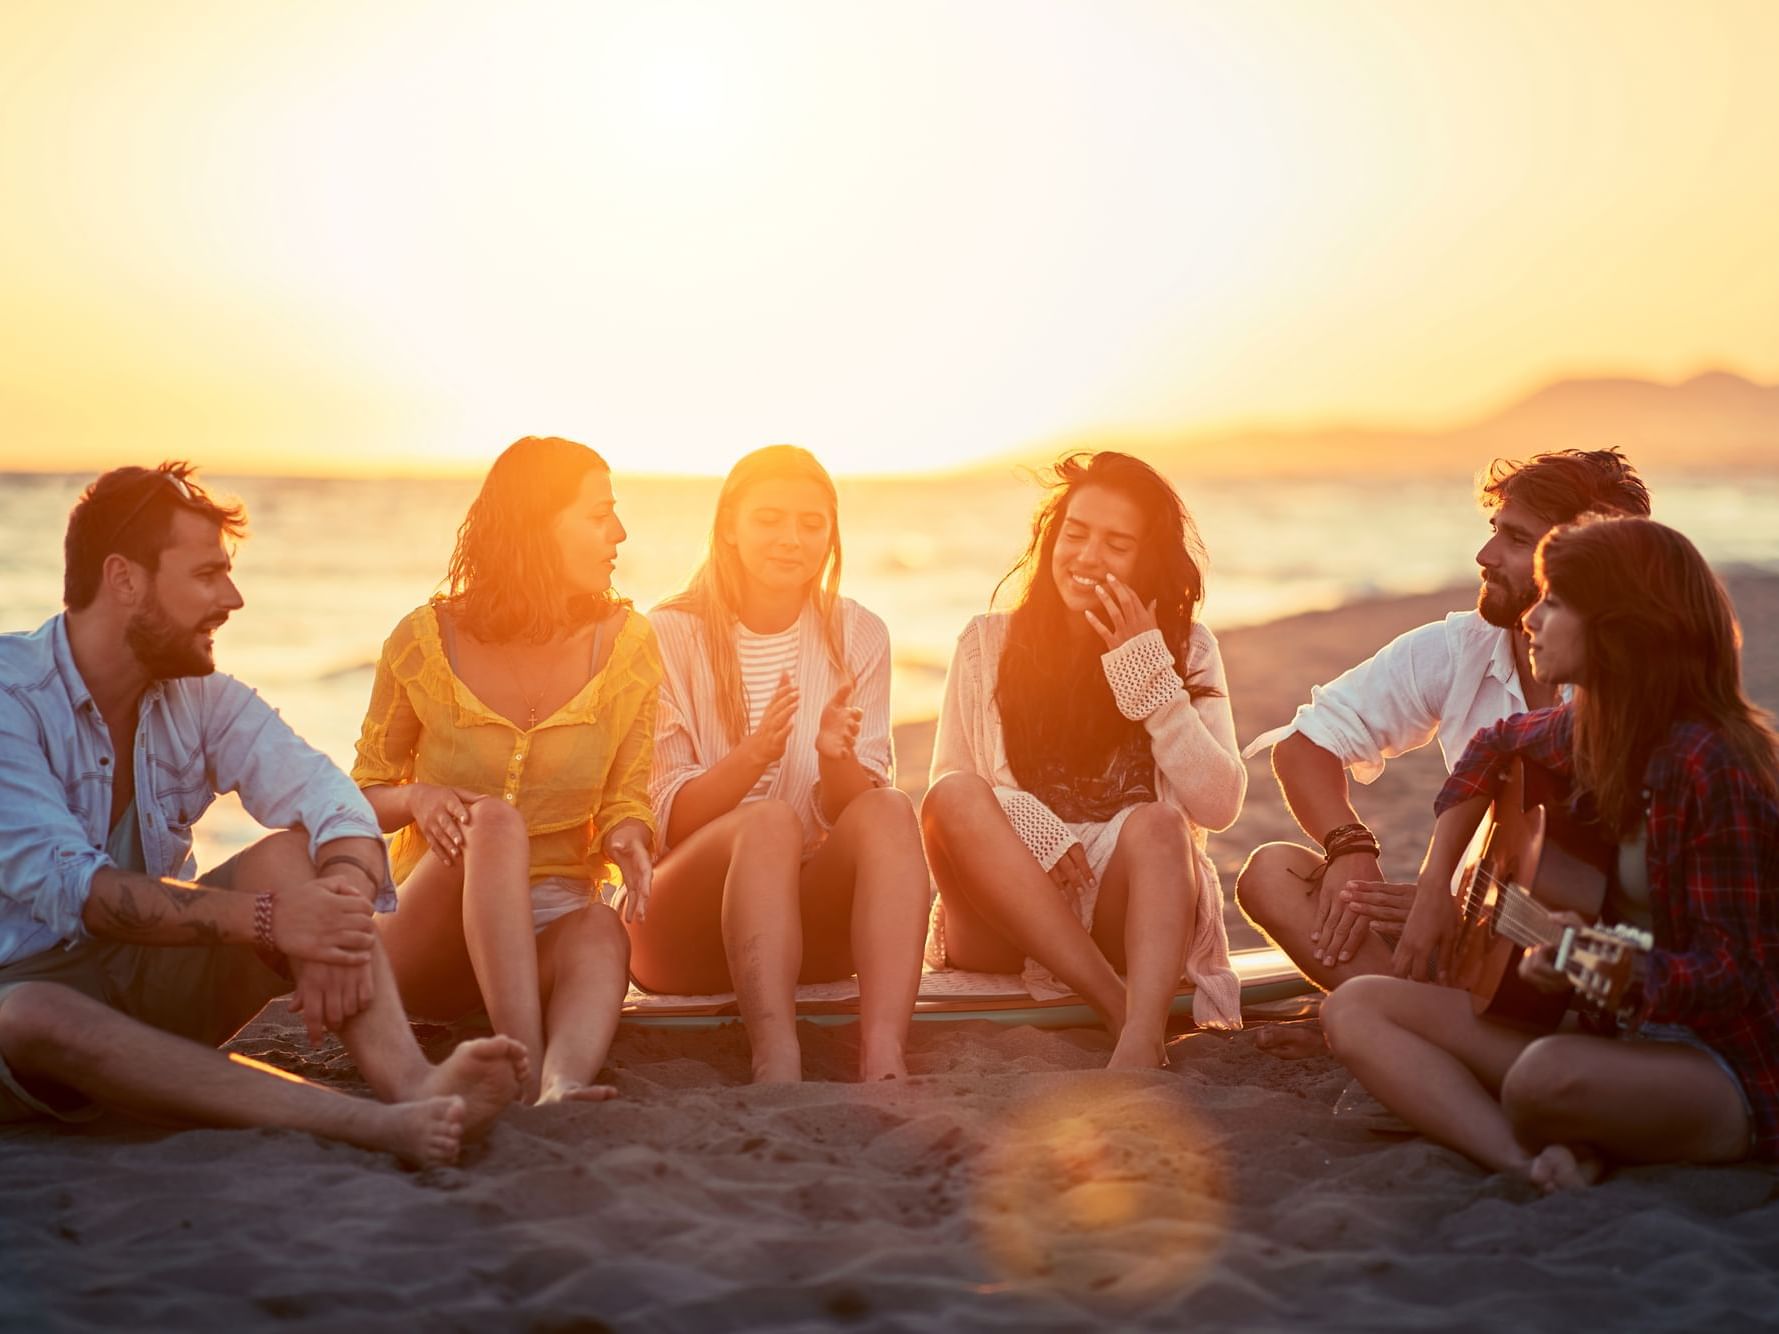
(1421, 1050)
(864, 903)
(463, 940)
(724, 912)
(989, 879)
(497, 930)
(584, 961)
(1144, 920)
(1649, 1102)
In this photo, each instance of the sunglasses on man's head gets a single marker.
(180, 486)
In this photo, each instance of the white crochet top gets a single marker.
(1197, 768)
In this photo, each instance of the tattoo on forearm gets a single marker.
(144, 909)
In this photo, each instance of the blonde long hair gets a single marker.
(715, 592)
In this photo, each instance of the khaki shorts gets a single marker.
(203, 992)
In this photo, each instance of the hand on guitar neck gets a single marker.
(1600, 964)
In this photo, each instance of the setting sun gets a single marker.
(335, 239)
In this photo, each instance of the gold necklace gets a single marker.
(519, 681)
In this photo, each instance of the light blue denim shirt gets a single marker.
(195, 737)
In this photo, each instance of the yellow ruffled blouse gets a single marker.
(573, 776)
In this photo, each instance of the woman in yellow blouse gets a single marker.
(508, 746)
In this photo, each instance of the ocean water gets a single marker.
(330, 565)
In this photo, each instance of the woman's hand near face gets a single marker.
(838, 736)
(765, 745)
(1125, 615)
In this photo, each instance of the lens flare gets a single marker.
(1108, 1190)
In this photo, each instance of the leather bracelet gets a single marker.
(375, 880)
(262, 923)
(1349, 837)
(1342, 841)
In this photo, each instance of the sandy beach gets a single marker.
(1009, 1185)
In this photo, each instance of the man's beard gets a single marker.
(164, 649)
(1500, 603)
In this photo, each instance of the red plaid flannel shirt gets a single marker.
(1714, 887)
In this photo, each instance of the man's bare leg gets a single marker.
(1273, 891)
(487, 1073)
(57, 1034)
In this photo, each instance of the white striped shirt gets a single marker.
(764, 660)
(689, 734)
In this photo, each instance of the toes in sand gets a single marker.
(571, 1092)
(1561, 1167)
(487, 1073)
(425, 1133)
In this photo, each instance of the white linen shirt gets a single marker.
(195, 736)
(1448, 679)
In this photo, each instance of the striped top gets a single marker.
(689, 734)
(764, 660)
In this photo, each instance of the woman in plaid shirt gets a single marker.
(1662, 748)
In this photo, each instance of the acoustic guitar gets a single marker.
(1535, 862)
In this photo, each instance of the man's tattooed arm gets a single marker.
(147, 911)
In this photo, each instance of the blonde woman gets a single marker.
(508, 746)
(788, 855)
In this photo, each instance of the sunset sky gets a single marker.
(326, 237)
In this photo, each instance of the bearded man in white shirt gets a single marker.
(1333, 913)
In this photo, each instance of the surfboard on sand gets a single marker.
(1271, 987)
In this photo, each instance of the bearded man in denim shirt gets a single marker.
(117, 975)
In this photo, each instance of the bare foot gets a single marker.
(487, 1073)
(1137, 1053)
(1292, 1042)
(881, 1059)
(1565, 1167)
(786, 1069)
(428, 1133)
(880, 1068)
(568, 1090)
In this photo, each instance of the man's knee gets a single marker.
(39, 1016)
(1272, 881)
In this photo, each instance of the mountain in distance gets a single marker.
(1716, 421)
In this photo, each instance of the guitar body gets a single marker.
(1523, 845)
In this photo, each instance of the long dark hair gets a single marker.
(1662, 646)
(505, 580)
(1054, 700)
